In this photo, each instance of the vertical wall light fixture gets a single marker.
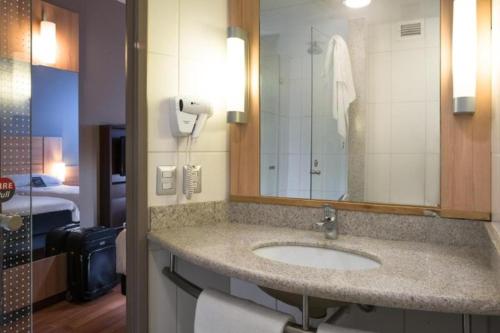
(237, 75)
(58, 170)
(464, 56)
(47, 43)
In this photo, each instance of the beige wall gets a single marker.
(186, 56)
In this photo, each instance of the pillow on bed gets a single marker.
(49, 180)
(37, 182)
(21, 179)
(24, 179)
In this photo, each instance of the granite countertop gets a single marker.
(413, 275)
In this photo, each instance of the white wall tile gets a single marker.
(433, 73)
(197, 79)
(408, 128)
(378, 180)
(408, 75)
(379, 77)
(408, 179)
(432, 31)
(215, 176)
(203, 26)
(155, 160)
(162, 85)
(293, 176)
(433, 127)
(379, 38)
(269, 174)
(432, 179)
(269, 135)
(379, 128)
(305, 172)
(163, 26)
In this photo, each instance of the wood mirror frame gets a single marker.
(465, 140)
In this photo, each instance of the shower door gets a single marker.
(15, 159)
(328, 167)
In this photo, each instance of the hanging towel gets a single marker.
(326, 328)
(344, 93)
(217, 312)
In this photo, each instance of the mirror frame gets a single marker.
(465, 140)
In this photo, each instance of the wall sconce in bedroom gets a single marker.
(47, 43)
(237, 75)
(59, 171)
(464, 56)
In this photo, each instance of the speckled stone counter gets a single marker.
(413, 275)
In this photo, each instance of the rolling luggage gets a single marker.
(55, 242)
(91, 262)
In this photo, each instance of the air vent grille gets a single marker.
(412, 29)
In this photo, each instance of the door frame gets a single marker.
(136, 156)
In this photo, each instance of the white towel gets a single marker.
(121, 252)
(343, 93)
(217, 312)
(326, 328)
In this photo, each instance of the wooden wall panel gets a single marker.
(245, 138)
(465, 139)
(67, 30)
(49, 277)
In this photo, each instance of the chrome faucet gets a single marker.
(329, 222)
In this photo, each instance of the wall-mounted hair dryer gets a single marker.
(189, 115)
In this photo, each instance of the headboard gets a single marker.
(45, 151)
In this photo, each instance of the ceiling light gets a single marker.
(356, 3)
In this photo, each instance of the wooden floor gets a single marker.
(106, 314)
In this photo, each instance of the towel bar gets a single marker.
(195, 292)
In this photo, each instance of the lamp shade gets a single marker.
(237, 75)
(47, 43)
(464, 55)
(58, 170)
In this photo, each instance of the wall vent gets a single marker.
(413, 29)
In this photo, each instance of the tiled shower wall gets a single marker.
(403, 114)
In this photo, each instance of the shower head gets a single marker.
(314, 48)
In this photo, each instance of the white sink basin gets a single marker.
(316, 257)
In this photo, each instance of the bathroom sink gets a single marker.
(316, 257)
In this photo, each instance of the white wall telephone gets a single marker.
(188, 116)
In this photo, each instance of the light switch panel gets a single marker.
(166, 180)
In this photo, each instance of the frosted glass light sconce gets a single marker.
(237, 75)
(59, 171)
(464, 56)
(47, 43)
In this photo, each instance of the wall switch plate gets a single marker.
(166, 180)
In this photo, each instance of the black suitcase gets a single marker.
(91, 262)
(55, 242)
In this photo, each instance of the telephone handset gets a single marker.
(188, 118)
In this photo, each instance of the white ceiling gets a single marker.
(275, 4)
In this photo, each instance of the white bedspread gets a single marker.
(20, 204)
(68, 192)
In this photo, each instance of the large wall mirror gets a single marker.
(350, 101)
